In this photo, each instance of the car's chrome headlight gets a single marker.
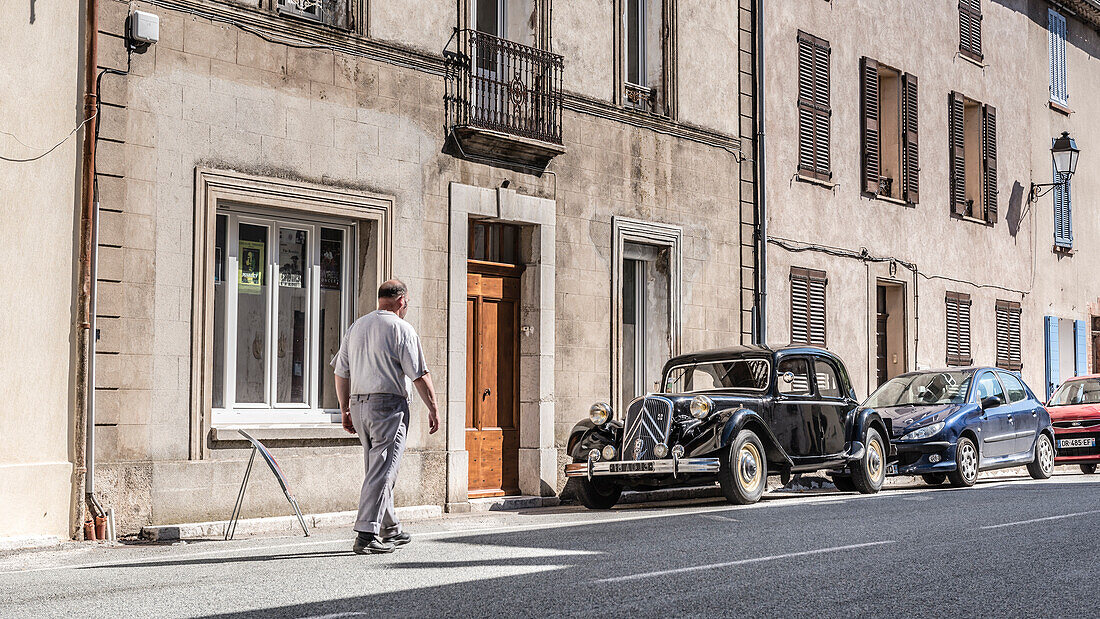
(701, 406)
(608, 452)
(923, 433)
(600, 413)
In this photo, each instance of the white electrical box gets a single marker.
(144, 27)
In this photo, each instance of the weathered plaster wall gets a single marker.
(39, 105)
(211, 95)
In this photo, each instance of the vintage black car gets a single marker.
(734, 415)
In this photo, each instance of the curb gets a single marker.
(247, 527)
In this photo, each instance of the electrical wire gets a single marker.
(865, 256)
(50, 149)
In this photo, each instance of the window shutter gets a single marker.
(872, 160)
(909, 143)
(1063, 213)
(808, 315)
(1051, 329)
(958, 328)
(1079, 335)
(813, 107)
(822, 105)
(1056, 26)
(1008, 335)
(957, 143)
(970, 28)
(799, 310)
(989, 138)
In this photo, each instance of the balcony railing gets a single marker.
(500, 85)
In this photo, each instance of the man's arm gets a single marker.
(427, 393)
(343, 394)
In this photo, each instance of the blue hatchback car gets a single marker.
(954, 423)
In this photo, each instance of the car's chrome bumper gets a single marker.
(674, 466)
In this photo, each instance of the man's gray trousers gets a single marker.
(382, 422)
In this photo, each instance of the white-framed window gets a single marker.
(285, 289)
(1056, 26)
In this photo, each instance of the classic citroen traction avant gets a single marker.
(734, 415)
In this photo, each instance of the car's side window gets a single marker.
(800, 371)
(828, 386)
(1013, 386)
(988, 385)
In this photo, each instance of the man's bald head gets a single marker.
(393, 296)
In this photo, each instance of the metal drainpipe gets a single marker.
(84, 345)
(760, 189)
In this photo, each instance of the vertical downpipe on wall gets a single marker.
(759, 188)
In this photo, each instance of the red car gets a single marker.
(1075, 411)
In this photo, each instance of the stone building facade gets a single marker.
(909, 268)
(266, 164)
(40, 137)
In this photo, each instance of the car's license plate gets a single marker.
(892, 468)
(631, 467)
(1076, 442)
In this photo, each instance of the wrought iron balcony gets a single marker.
(503, 99)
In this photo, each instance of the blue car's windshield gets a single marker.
(922, 390)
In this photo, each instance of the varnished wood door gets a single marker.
(492, 379)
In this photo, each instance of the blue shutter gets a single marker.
(1063, 213)
(1079, 367)
(1051, 330)
(1056, 25)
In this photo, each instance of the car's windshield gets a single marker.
(1072, 392)
(741, 374)
(922, 390)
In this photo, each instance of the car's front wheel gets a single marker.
(1088, 469)
(1042, 467)
(966, 464)
(870, 472)
(598, 493)
(744, 469)
(934, 479)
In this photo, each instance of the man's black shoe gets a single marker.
(367, 543)
(397, 539)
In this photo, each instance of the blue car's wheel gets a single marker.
(1042, 467)
(1088, 469)
(966, 464)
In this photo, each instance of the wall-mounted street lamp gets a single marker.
(1065, 154)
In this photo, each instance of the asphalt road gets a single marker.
(1002, 549)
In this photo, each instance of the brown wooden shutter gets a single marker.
(1008, 335)
(869, 95)
(808, 311)
(989, 142)
(813, 107)
(970, 28)
(958, 328)
(909, 141)
(957, 142)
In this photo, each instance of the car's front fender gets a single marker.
(587, 436)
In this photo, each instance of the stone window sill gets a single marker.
(893, 200)
(295, 432)
(814, 181)
(972, 60)
(1061, 109)
(1062, 249)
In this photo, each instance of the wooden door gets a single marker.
(492, 380)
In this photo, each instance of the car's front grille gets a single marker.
(1080, 451)
(1073, 425)
(647, 423)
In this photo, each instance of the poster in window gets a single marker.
(290, 273)
(331, 258)
(251, 272)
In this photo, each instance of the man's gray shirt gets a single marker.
(378, 352)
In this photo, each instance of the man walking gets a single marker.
(379, 355)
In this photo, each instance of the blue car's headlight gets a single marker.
(923, 433)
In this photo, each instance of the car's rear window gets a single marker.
(739, 374)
